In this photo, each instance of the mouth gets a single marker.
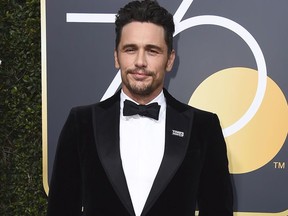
(139, 74)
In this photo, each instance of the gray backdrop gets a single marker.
(80, 67)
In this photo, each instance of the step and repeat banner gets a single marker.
(232, 59)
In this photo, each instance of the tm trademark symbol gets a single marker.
(279, 165)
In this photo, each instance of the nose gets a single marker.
(141, 60)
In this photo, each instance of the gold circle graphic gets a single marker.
(229, 93)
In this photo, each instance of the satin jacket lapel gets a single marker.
(178, 127)
(106, 132)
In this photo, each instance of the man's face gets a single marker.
(142, 56)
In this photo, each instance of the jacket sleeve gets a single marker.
(65, 191)
(215, 192)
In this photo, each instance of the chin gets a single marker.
(144, 91)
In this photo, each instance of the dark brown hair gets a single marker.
(145, 11)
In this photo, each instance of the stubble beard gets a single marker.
(141, 88)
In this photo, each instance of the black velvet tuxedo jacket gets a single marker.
(88, 170)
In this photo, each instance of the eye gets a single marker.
(153, 51)
(129, 50)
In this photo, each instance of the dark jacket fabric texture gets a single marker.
(88, 178)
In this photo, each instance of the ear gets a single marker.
(116, 62)
(170, 61)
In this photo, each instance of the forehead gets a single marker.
(142, 33)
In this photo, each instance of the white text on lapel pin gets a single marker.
(177, 133)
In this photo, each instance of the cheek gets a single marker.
(126, 63)
(161, 70)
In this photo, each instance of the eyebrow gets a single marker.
(129, 46)
(147, 47)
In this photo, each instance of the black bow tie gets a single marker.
(150, 110)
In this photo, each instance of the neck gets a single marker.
(143, 99)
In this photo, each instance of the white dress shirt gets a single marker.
(142, 143)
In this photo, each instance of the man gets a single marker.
(120, 157)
